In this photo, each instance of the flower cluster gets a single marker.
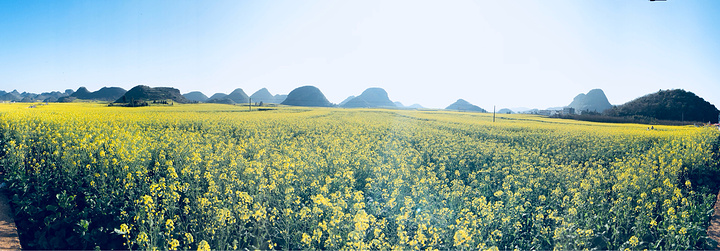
(209, 176)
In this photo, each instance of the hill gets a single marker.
(108, 93)
(262, 95)
(217, 96)
(677, 105)
(346, 100)
(222, 100)
(238, 96)
(11, 96)
(371, 97)
(195, 96)
(81, 93)
(594, 101)
(416, 106)
(462, 105)
(505, 111)
(16, 96)
(307, 96)
(50, 96)
(279, 98)
(146, 93)
(104, 94)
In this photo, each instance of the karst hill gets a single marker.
(371, 97)
(677, 105)
(195, 96)
(142, 93)
(594, 101)
(462, 105)
(307, 96)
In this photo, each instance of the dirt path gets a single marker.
(8, 231)
(714, 228)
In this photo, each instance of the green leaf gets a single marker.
(51, 208)
(118, 231)
(84, 225)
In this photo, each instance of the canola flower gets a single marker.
(217, 177)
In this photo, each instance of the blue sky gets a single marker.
(521, 53)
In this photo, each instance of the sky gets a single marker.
(521, 53)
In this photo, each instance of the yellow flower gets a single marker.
(361, 221)
(203, 246)
(306, 239)
(189, 238)
(461, 238)
(124, 228)
(498, 193)
(174, 244)
(169, 225)
(572, 211)
(683, 231)
(633, 241)
(142, 237)
(147, 200)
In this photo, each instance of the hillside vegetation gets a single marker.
(146, 93)
(104, 94)
(678, 105)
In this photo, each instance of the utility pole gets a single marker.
(493, 114)
(250, 105)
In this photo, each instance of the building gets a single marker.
(567, 111)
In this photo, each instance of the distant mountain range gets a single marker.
(237, 96)
(15, 96)
(413, 106)
(104, 94)
(264, 96)
(675, 104)
(142, 93)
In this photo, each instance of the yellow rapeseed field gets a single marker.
(219, 177)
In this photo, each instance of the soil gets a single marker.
(8, 231)
(714, 228)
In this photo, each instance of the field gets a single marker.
(220, 177)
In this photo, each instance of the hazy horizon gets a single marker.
(514, 108)
(507, 54)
